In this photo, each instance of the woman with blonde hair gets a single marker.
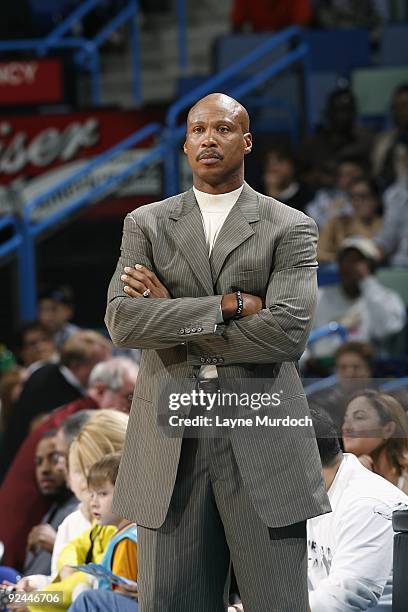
(103, 433)
(375, 429)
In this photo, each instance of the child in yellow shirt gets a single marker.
(111, 541)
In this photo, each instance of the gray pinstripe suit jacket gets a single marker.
(264, 248)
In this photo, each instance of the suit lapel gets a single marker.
(235, 230)
(190, 239)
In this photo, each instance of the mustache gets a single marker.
(209, 153)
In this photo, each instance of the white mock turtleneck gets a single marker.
(214, 211)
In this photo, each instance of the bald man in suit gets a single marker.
(217, 286)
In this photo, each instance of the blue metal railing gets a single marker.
(86, 52)
(30, 231)
(166, 151)
(395, 385)
(331, 329)
(319, 385)
(13, 243)
(145, 132)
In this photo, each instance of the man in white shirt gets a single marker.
(350, 549)
(368, 310)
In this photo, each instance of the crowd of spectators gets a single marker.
(65, 397)
(272, 15)
(354, 184)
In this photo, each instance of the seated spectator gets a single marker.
(340, 138)
(375, 429)
(51, 477)
(269, 15)
(121, 554)
(392, 240)
(333, 200)
(55, 311)
(103, 433)
(354, 369)
(280, 179)
(368, 310)
(80, 518)
(388, 146)
(350, 549)
(35, 346)
(111, 385)
(53, 385)
(365, 220)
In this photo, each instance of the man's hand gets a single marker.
(66, 571)
(139, 279)
(252, 305)
(129, 590)
(24, 585)
(42, 536)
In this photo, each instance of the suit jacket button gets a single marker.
(209, 360)
(215, 360)
(187, 330)
(202, 359)
(181, 331)
(194, 329)
(221, 360)
(199, 329)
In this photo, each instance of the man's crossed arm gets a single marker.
(276, 332)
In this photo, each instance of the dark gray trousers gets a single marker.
(184, 565)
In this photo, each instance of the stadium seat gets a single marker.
(338, 50)
(396, 279)
(230, 48)
(373, 88)
(394, 45)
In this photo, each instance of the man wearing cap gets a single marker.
(368, 310)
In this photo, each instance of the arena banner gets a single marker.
(31, 81)
(37, 152)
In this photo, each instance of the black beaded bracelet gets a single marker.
(240, 304)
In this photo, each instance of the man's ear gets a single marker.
(248, 143)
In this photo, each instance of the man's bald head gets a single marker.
(217, 141)
(222, 101)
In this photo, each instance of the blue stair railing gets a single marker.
(86, 51)
(13, 243)
(29, 224)
(31, 230)
(331, 329)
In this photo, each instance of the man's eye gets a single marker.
(223, 128)
(197, 130)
